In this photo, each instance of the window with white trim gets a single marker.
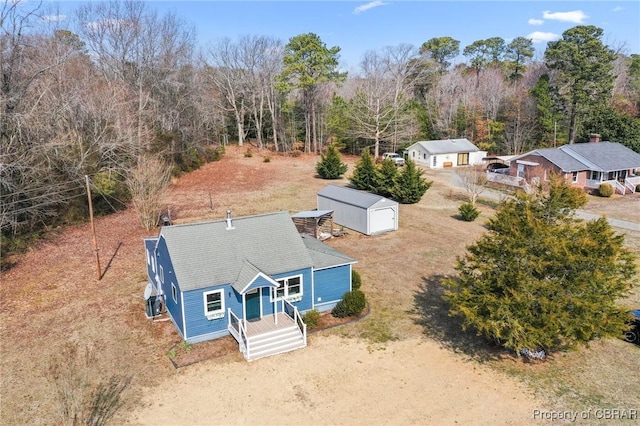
(174, 292)
(288, 288)
(214, 304)
(148, 257)
(574, 177)
(161, 274)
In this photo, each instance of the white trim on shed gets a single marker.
(361, 211)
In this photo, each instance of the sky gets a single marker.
(359, 26)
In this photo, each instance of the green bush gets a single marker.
(356, 280)
(468, 212)
(266, 159)
(331, 165)
(311, 318)
(605, 190)
(638, 187)
(248, 153)
(352, 304)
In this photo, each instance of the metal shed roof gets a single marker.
(312, 214)
(354, 197)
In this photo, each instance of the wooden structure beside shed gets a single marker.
(317, 223)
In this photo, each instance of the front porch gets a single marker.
(269, 335)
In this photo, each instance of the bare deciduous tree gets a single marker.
(473, 179)
(146, 182)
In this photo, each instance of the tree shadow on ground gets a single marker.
(432, 313)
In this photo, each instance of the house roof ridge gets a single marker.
(214, 221)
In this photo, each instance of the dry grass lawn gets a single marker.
(51, 300)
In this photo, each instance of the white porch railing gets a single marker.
(237, 327)
(631, 183)
(509, 180)
(294, 314)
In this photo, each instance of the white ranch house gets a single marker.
(437, 154)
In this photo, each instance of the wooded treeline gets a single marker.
(122, 88)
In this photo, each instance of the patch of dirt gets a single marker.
(182, 355)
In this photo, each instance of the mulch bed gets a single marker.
(183, 354)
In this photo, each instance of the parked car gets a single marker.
(633, 334)
(395, 157)
(498, 168)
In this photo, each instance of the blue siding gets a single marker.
(197, 322)
(330, 285)
(173, 307)
(303, 305)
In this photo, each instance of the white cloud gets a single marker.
(534, 21)
(370, 5)
(53, 18)
(542, 37)
(618, 9)
(575, 16)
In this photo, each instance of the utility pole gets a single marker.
(93, 228)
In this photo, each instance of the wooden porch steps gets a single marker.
(275, 342)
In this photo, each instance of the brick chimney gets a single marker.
(594, 137)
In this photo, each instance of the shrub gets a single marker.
(266, 159)
(410, 186)
(311, 318)
(248, 153)
(605, 190)
(638, 187)
(331, 165)
(468, 212)
(352, 304)
(356, 280)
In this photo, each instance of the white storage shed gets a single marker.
(361, 211)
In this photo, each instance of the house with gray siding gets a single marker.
(251, 277)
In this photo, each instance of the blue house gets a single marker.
(250, 277)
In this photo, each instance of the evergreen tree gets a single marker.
(365, 175)
(410, 186)
(387, 174)
(541, 279)
(331, 165)
(584, 76)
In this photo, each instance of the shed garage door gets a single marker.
(382, 220)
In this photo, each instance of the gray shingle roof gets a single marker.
(561, 159)
(206, 254)
(596, 156)
(448, 146)
(324, 256)
(604, 156)
(352, 196)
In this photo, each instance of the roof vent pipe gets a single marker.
(229, 221)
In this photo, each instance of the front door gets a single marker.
(252, 304)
